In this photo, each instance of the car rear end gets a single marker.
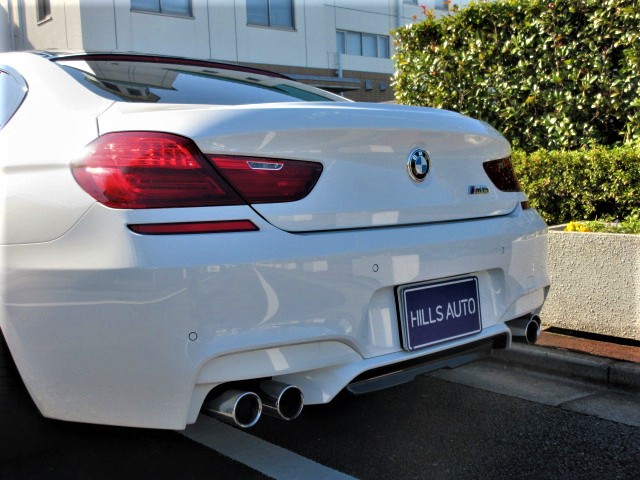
(159, 254)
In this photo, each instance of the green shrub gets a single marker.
(599, 183)
(553, 74)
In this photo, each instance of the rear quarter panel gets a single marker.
(40, 199)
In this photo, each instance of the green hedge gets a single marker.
(553, 74)
(599, 183)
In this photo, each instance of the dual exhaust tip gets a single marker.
(526, 329)
(244, 408)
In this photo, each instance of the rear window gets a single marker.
(155, 82)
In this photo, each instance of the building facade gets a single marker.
(344, 46)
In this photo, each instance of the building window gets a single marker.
(43, 10)
(270, 13)
(414, 2)
(442, 4)
(362, 44)
(168, 7)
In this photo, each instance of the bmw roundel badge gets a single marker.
(418, 164)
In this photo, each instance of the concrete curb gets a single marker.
(572, 364)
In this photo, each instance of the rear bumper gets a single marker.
(124, 329)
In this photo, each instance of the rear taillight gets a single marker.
(150, 170)
(501, 173)
(266, 180)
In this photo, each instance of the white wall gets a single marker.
(271, 45)
(223, 27)
(49, 34)
(6, 42)
(218, 29)
(95, 24)
(14, 34)
(162, 34)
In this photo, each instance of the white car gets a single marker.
(182, 235)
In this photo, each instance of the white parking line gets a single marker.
(266, 458)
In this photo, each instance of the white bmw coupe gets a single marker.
(181, 236)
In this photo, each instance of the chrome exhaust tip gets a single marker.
(525, 330)
(235, 407)
(281, 400)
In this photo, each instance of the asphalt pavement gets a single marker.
(541, 411)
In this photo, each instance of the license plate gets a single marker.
(436, 312)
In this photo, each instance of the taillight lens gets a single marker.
(265, 180)
(150, 170)
(224, 226)
(501, 173)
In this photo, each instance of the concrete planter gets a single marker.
(595, 283)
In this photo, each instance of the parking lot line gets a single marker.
(266, 458)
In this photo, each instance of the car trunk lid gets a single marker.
(364, 150)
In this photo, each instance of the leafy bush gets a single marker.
(553, 74)
(599, 183)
